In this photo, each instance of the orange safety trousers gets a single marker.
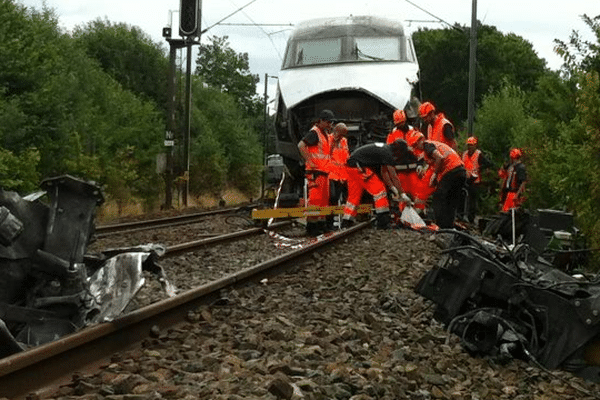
(318, 193)
(358, 182)
(417, 188)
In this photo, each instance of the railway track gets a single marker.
(166, 222)
(54, 362)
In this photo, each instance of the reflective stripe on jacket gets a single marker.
(319, 154)
(472, 164)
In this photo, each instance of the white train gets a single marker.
(360, 67)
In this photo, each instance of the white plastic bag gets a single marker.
(411, 218)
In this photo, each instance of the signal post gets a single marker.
(190, 12)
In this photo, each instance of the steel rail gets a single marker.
(163, 222)
(178, 249)
(42, 369)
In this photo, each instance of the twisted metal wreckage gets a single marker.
(519, 296)
(49, 286)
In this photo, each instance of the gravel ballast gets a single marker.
(345, 323)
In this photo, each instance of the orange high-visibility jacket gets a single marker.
(472, 164)
(339, 155)
(436, 132)
(450, 159)
(396, 134)
(319, 154)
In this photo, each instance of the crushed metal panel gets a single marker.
(115, 284)
(49, 286)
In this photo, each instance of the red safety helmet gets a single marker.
(472, 140)
(399, 117)
(413, 139)
(515, 153)
(425, 109)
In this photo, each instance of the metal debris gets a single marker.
(49, 285)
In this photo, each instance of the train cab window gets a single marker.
(314, 51)
(378, 49)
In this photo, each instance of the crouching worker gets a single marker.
(371, 169)
(448, 177)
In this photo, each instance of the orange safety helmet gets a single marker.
(472, 140)
(399, 117)
(413, 139)
(425, 109)
(515, 153)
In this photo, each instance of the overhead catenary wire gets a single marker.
(434, 16)
(223, 19)
(265, 32)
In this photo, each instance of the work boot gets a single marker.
(330, 219)
(383, 220)
(312, 229)
(347, 223)
(324, 227)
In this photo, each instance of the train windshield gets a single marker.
(314, 51)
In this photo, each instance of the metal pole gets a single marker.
(472, 69)
(187, 125)
(262, 185)
(171, 125)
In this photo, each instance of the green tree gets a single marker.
(444, 62)
(57, 104)
(128, 55)
(225, 147)
(222, 68)
(579, 54)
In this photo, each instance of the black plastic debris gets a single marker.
(505, 300)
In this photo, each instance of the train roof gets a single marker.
(342, 26)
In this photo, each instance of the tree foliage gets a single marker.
(226, 147)
(220, 67)
(56, 103)
(558, 126)
(444, 62)
(128, 55)
(580, 54)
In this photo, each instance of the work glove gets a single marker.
(395, 193)
(405, 199)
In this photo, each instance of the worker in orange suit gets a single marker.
(439, 128)
(338, 176)
(475, 162)
(514, 178)
(406, 169)
(314, 149)
(371, 169)
(448, 177)
(415, 185)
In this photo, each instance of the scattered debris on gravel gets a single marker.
(345, 323)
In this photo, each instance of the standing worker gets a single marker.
(314, 149)
(439, 128)
(338, 177)
(475, 162)
(371, 168)
(514, 177)
(409, 163)
(448, 177)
